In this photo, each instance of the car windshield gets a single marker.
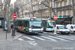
(74, 26)
(61, 27)
(50, 25)
(35, 24)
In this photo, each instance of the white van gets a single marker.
(60, 29)
(71, 27)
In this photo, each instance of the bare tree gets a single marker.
(47, 4)
(11, 11)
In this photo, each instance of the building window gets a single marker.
(64, 12)
(65, 3)
(60, 4)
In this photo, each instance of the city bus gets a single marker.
(29, 25)
(48, 25)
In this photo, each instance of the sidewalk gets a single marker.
(9, 37)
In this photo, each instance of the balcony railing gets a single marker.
(40, 10)
(64, 7)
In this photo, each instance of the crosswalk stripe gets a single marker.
(20, 39)
(66, 38)
(71, 37)
(38, 38)
(58, 38)
(44, 32)
(29, 38)
(49, 38)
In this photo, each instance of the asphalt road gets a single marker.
(44, 41)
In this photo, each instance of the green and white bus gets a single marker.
(48, 25)
(29, 25)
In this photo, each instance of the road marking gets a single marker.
(58, 38)
(29, 38)
(71, 37)
(20, 39)
(44, 32)
(49, 38)
(38, 38)
(32, 43)
(66, 38)
(18, 36)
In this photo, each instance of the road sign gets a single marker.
(55, 17)
(14, 16)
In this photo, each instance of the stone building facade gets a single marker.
(38, 8)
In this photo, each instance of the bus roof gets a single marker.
(27, 18)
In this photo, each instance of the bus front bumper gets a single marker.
(36, 30)
(49, 29)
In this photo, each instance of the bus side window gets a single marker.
(23, 23)
(27, 24)
(17, 23)
(20, 23)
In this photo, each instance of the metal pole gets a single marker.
(73, 12)
(49, 8)
(6, 35)
(55, 21)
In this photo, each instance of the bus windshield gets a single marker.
(35, 24)
(50, 25)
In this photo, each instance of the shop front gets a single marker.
(64, 20)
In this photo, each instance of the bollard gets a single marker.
(13, 30)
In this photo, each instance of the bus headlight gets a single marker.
(41, 29)
(30, 30)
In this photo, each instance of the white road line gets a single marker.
(49, 38)
(58, 38)
(66, 38)
(18, 36)
(29, 38)
(38, 38)
(20, 39)
(71, 37)
(44, 32)
(32, 43)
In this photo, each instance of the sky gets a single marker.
(12, 1)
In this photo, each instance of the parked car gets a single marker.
(71, 27)
(60, 29)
